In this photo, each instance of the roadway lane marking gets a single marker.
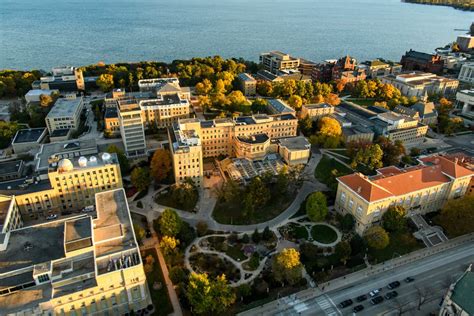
(327, 305)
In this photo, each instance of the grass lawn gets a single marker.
(167, 200)
(229, 213)
(324, 171)
(323, 234)
(363, 102)
(400, 244)
(298, 231)
(235, 253)
(160, 297)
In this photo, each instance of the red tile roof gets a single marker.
(392, 181)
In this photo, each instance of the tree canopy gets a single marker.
(123, 160)
(287, 266)
(393, 220)
(140, 178)
(7, 131)
(343, 251)
(376, 237)
(160, 165)
(316, 207)
(169, 223)
(457, 216)
(209, 296)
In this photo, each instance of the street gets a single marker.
(432, 275)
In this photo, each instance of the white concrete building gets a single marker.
(65, 114)
(467, 73)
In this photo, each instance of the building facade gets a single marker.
(458, 300)
(466, 74)
(316, 111)
(248, 84)
(419, 189)
(417, 84)
(276, 62)
(465, 102)
(80, 265)
(192, 140)
(418, 61)
(65, 114)
(132, 127)
(380, 68)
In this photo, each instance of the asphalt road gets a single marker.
(432, 276)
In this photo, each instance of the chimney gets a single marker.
(359, 189)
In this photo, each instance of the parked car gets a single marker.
(375, 292)
(87, 209)
(357, 308)
(361, 298)
(345, 303)
(148, 233)
(376, 300)
(409, 279)
(393, 285)
(391, 295)
(51, 217)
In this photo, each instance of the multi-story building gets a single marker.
(379, 68)
(465, 42)
(458, 300)
(417, 84)
(65, 78)
(413, 60)
(164, 86)
(424, 111)
(276, 61)
(34, 95)
(28, 139)
(344, 69)
(10, 217)
(80, 265)
(248, 84)
(306, 67)
(70, 184)
(316, 111)
(419, 189)
(466, 74)
(266, 75)
(65, 114)
(132, 128)
(465, 102)
(164, 110)
(11, 170)
(192, 140)
(111, 121)
(383, 122)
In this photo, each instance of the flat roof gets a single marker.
(19, 187)
(246, 77)
(78, 228)
(295, 143)
(33, 245)
(10, 166)
(111, 112)
(60, 132)
(29, 135)
(65, 107)
(4, 207)
(254, 139)
(65, 149)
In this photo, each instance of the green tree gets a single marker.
(105, 82)
(160, 165)
(139, 232)
(282, 182)
(370, 155)
(123, 160)
(392, 151)
(264, 88)
(256, 196)
(267, 234)
(140, 178)
(316, 207)
(259, 105)
(376, 237)
(393, 220)
(347, 222)
(457, 216)
(7, 131)
(295, 102)
(169, 223)
(201, 228)
(209, 296)
(306, 125)
(343, 251)
(287, 266)
(256, 237)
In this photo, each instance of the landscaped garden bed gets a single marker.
(214, 266)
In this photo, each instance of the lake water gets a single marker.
(47, 33)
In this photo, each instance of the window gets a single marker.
(351, 204)
(359, 211)
(343, 197)
(43, 278)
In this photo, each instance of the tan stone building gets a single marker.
(316, 111)
(70, 185)
(192, 140)
(419, 189)
(417, 84)
(276, 61)
(132, 127)
(248, 84)
(80, 265)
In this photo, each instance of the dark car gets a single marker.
(361, 298)
(357, 308)
(345, 303)
(376, 300)
(409, 279)
(393, 285)
(391, 295)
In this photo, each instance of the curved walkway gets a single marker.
(309, 226)
(239, 265)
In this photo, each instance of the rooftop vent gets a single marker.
(82, 162)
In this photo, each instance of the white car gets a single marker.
(51, 217)
(88, 209)
(374, 292)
